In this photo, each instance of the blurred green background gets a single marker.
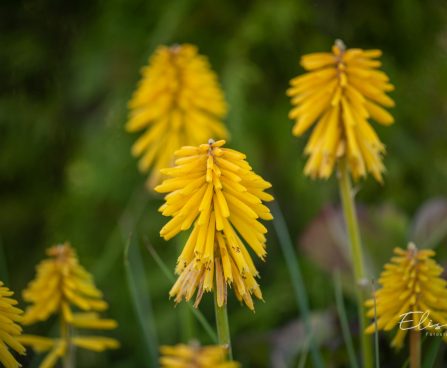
(66, 173)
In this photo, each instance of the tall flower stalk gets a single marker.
(340, 92)
(352, 227)
(213, 190)
(63, 287)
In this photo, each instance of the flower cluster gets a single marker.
(62, 285)
(9, 329)
(215, 191)
(178, 102)
(195, 356)
(411, 283)
(340, 92)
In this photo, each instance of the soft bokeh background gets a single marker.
(66, 173)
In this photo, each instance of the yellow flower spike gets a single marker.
(9, 328)
(61, 283)
(195, 356)
(214, 190)
(411, 285)
(63, 287)
(341, 91)
(178, 102)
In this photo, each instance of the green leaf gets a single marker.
(296, 278)
(431, 353)
(140, 297)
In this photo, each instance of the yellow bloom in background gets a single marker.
(340, 93)
(411, 282)
(214, 190)
(195, 356)
(9, 328)
(178, 102)
(61, 283)
(63, 287)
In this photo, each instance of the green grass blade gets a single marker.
(303, 358)
(431, 354)
(160, 263)
(202, 320)
(430, 357)
(197, 313)
(341, 310)
(296, 278)
(140, 297)
(112, 251)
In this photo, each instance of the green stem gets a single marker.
(415, 349)
(223, 328)
(68, 359)
(350, 215)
